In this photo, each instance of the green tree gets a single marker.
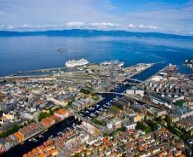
(85, 91)
(168, 119)
(43, 115)
(143, 127)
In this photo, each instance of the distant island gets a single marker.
(90, 33)
(61, 49)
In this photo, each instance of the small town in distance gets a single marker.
(98, 110)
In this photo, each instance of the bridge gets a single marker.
(111, 93)
(135, 80)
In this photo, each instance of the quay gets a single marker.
(41, 70)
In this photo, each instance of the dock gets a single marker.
(42, 70)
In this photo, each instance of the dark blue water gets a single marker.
(28, 53)
(153, 70)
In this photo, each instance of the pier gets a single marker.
(41, 70)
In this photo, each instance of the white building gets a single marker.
(129, 125)
(135, 92)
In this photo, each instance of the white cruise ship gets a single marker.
(74, 63)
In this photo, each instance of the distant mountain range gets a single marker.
(90, 33)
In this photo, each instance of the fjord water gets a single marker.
(36, 52)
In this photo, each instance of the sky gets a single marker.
(170, 16)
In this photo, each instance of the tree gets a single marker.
(154, 126)
(168, 119)
(43, 115)
(158, 119)
(85, 91)
(69, 104)
(143, 127)
(186, 135)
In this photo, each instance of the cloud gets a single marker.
(75, 24)
(142, 26)
(104, 25)
(153, 27)
(131, 26)
(27, 27)
(80, 25)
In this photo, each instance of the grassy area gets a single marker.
(122, 129)
(98, 122)
(95, 97)
(69, 104)
(114, 108)
(85, 91)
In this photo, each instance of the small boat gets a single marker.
(51, 137)
(97, 111)
(59, 133)
(40, 136)
(34, 140)
(61, 50)
(100, 109)
(92, 115)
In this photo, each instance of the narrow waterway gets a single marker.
(27, 146)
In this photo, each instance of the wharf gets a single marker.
(41, 70)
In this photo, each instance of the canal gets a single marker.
(149, 72)
(27, 146)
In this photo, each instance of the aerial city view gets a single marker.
(90, 78)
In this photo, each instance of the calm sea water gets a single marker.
(28, 53)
